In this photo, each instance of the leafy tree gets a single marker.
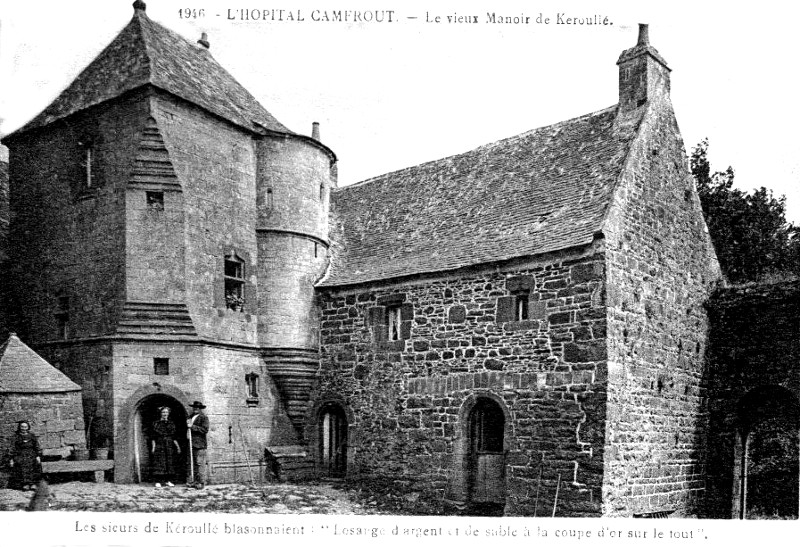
(752, 238)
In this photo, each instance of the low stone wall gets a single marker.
(56, 419)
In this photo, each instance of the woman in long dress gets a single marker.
(164, 447)
(25, 461)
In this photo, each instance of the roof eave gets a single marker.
(496, 263)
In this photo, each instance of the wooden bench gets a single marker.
(99, 467)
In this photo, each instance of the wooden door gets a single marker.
(487, 457)
(333, 441)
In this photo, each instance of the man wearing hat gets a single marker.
(197, 429)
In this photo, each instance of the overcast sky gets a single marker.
(390, 95)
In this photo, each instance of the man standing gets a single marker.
(197, 430)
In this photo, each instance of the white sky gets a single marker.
(393, 95)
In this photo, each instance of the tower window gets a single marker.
(62, 316)
(87, 163)
(251, 381)
(234, 283)
(322, 193)
(155, 201)
(161, 366)
(269, 198)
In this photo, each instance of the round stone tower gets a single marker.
(294, 174)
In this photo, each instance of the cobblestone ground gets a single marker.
(232, 498)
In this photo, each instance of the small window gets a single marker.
(87, 162)
(251, 381)
(322, 193)
(269, 198)
(62, 316)
(316, 250)
(521, 306)
(161, 366)
(394, 321)
(155, 201)
(234, 283)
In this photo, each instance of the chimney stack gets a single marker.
(643, 73)
(644, 35)
(139, 6)
(203, 41)
(315, 131)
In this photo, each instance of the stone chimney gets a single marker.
(138, 5)
(643, 73)
(203, 41)
(315, 131)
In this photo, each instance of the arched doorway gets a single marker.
(146, 414)
(332, 429)
(486, 482)
(766, 457)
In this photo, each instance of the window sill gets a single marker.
(392, 345)
(253, 401)
(527, 324)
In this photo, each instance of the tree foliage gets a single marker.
(752, 238)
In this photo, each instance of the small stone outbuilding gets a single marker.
(34, 390)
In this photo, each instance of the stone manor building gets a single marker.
(518, 327)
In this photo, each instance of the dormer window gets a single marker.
(234, 283)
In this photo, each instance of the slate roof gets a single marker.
(145, 52)
(22, 370)
(541, 191)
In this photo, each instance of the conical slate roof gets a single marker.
(145, 52)
(23, 371)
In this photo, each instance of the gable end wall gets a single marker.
(661, 267)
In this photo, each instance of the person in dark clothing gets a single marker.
(163, 448)
(25, 461)
(198, 428)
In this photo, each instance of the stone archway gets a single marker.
(131, 455)
(331, 436)
(478, 483)
(766, 477)
(146, 413)
(332, 429)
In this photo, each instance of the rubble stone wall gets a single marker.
(661, 269)
(407, 398)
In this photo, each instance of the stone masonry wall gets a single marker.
(67, 237)
(661, 268)
(90, 366)
(55, 418)
(408, 398)
(293, 186)
(754, 346)
(215, 164)
(239, 423)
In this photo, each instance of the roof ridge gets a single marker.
(477, 148)
(148, 54)
(638, 118)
